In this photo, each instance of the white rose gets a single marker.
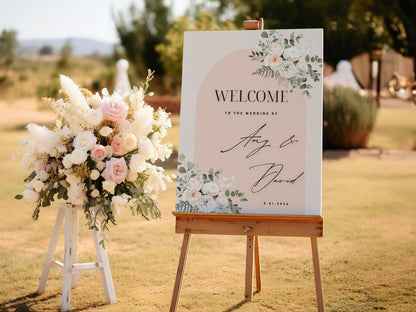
(132, 176)
(287, 69)
(211, 189)
(43, 175)
(146, 149)
(105, 131)
(191, 195)
(100, 165)
(125, 125)
(95, 193)
(78, 156)
(95, 174)
(206, 204)
(137, 163)
(109, 186)
(143, 121)
(38, 185)
(273, 61)
(85, 141)
(31, 196)
(94, 117)
(195, 183)
(66, 161)
(129, 141)
(291, 54)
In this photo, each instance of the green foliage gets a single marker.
(349, 118)
(141, 31)
(8, 43)
(46, 50)
(172, 50)
(66, 55)
(344, 22)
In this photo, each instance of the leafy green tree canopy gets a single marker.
(140, 31)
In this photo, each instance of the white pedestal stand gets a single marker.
(71, 269)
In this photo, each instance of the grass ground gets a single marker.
(368, 252)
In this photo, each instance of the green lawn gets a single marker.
(368, 252)
(395, 128)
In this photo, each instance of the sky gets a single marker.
(55, 19)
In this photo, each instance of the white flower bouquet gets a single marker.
(100, 154)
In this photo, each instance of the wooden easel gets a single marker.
(71, 269)
(251, 226)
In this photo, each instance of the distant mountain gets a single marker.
(80, 46)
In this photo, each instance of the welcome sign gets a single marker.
(251, 123)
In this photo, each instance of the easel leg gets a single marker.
(75, 275)
(317, 271)
(257, 263)
(180, 272)
(106, 278)
(249, 269)
(71, 226)
(51, 250)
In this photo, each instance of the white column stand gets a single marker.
(71, 269)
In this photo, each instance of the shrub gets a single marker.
(348, 118)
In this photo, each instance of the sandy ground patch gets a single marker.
(23, 111)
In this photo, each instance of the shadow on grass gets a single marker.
(25, 303)
(239, 305)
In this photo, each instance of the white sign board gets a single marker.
(251, 122)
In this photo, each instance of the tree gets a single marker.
(171, 52)
(351, 27)
(400, 19)
(141, 31)
(66, 55)
(8, 44)
(46, 50)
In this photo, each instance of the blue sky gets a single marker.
(34, 19)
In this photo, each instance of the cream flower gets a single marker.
(78, 156)
(95, 174)
(30, 196)
(291, 54)
(109, 186)
(95, 193)
(105, 131)
(94, 117)
(85, 141)
(211, 189)
(129, 142)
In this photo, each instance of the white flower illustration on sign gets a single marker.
(209, 193)
(287, 59)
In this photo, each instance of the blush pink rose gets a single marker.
(115, 170)
(114, 110)
(117, 145)
(40, 165)
(98, 153)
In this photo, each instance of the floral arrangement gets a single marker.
(287, 59)
(100, 154)
(200, 192)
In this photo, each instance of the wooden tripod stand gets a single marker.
(71, 269)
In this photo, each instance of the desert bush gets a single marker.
(348, 118)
